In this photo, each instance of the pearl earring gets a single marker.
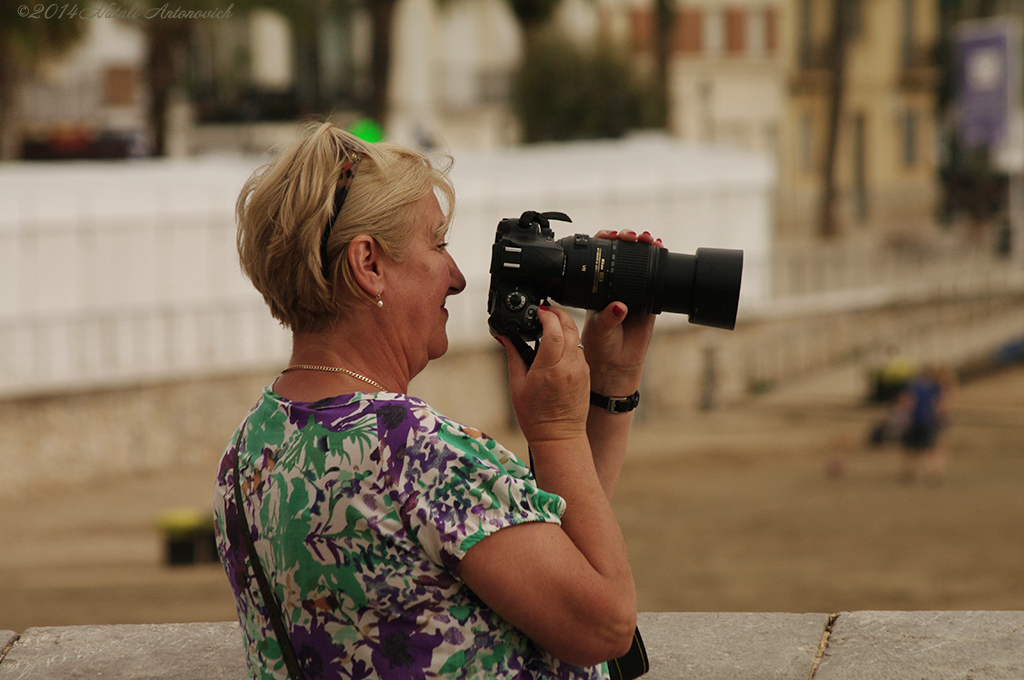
(380, 303)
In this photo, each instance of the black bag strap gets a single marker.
(284, 641)
(633, 663)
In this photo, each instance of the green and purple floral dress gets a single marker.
(361, 508)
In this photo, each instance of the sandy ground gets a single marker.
(773, 506)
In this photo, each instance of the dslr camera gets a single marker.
(528, 266)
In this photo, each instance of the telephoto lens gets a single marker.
(529, 266)
(651, 280)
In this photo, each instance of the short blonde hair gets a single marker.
(284, 208)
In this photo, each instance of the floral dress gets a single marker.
(361, 508)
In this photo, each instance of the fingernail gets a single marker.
(619, 310)
(647, 233)
(545, 308)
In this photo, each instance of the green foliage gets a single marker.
(533, 12)
(564, 92)
(31, 30)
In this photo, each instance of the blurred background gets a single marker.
(867, 155)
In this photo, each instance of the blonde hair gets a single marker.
(284, 208)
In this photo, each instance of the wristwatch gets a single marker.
(615, 404)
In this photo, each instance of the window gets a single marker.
(119, 86)
(771, 30)
(910, 135)
(688, 31)
(642, 30)
(735, 31)
(806, 142)
(907, 36)
(806, 39)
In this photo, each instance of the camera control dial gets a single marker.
(515, 301)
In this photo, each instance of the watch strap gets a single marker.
(615, 404)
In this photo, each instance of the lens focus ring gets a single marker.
(630, 276)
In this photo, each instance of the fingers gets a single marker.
(561, 337)
(607, 319)
(550, 397)
(630, 235)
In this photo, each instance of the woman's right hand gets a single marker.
(580, 603)
(551, 398)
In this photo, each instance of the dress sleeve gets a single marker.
(460, 486)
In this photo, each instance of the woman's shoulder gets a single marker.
(395, 413)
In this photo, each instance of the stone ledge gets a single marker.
(695, 646)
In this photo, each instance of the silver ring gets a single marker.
(580, 345)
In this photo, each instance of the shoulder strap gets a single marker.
(291, 661)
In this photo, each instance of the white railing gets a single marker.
(815, 271)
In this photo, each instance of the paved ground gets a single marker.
(773, 506)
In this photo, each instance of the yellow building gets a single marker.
(885, 163)
(758, 74)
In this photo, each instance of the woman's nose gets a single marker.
(457, 282)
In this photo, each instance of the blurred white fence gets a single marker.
(115, 273)
(122, 272)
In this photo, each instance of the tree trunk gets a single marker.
(663, 21)
(828, 226)
(160, 75)
(382, 12)
(10, 110)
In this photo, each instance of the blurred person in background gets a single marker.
(921, 415)
(390, 541)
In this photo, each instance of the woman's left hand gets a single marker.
(615, 342)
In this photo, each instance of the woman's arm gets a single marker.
(569, 588)
(615, 347)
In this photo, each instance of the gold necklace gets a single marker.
(335, 369)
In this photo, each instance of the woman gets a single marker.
(396, 542)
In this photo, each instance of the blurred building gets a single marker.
(759, 74)
(91, 101)
(886, 160)
(751, 74)
(726, 74)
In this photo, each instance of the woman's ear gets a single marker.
(365, 257)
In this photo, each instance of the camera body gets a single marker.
(528, 266)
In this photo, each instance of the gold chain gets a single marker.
(335, 369)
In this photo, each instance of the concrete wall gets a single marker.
(867, 645)
(157, 425)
